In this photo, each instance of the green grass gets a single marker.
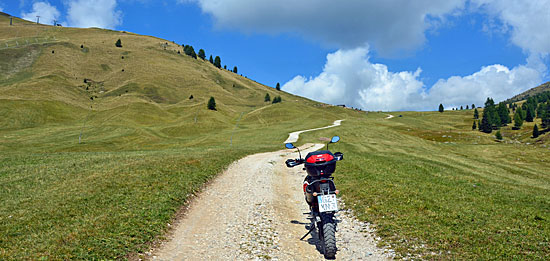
(463, 197)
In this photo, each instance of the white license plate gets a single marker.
(327, 203)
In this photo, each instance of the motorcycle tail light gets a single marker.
(305, 186)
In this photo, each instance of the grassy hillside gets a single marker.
(435, 189)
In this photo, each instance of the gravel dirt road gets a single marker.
(255, 210)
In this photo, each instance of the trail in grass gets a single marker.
(294, 136)
(256, 210)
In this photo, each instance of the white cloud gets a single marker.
(350, 78)
(528, 21)
(387, 25)
(94, 13)
(47, 13)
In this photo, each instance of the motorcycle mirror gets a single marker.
(335, 139)
(289, 146)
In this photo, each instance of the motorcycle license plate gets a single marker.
(327, 203)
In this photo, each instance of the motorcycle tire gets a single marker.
(328, 237)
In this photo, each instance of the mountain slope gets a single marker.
(529, 93)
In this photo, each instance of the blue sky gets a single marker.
(376, 55)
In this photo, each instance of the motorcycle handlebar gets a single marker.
(293, 162)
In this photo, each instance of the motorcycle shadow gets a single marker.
(314, 238)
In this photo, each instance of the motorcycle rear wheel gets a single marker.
(329, 240)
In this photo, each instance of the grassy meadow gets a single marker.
(435, 189)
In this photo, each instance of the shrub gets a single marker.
(212, 104)
(118, 43)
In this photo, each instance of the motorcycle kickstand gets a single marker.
(309, 232)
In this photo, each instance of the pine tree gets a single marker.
(473, 106)
(536, 131)
(202, 54)
(529, 115)
(441, 109)
(278, 87)
(485, 125)
(474, 126)
(212, 104)
(218, 62)
(235, 69)
(476, 114)
(118, 43)
(277, 99)
(461, 108)
(267, 98)
(191, 97)
(518, 120)
(504, 114)
(498, 135)
(467, 108)
(188, 49)
(545, 115)
(211, 60)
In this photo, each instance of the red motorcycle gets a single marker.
(320, 193)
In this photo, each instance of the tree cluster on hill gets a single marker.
(190, 51)
(536, 106)
(277, 99)
(494, 116)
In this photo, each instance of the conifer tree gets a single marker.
(118, 43)
(278, 87)
(267, 98)
(529, 115)
(461, 108)
(474, 126)
(212, 104)
(211, 60)
(202, 54)
(218, 62)
(498, 135)
(476, 114)
(535, 131)
(504, 114)
(473, 106)
(235, 69)
(467, 108)
(518, 120)
(545, 115)
(485, 125)
(441, 109)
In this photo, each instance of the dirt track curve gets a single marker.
(255, 211)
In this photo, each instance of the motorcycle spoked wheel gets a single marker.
(327, 235)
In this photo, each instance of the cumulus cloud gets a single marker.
(388, 25)
(47, 13)
(350, 78)
(94, 13)
(528, 21)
